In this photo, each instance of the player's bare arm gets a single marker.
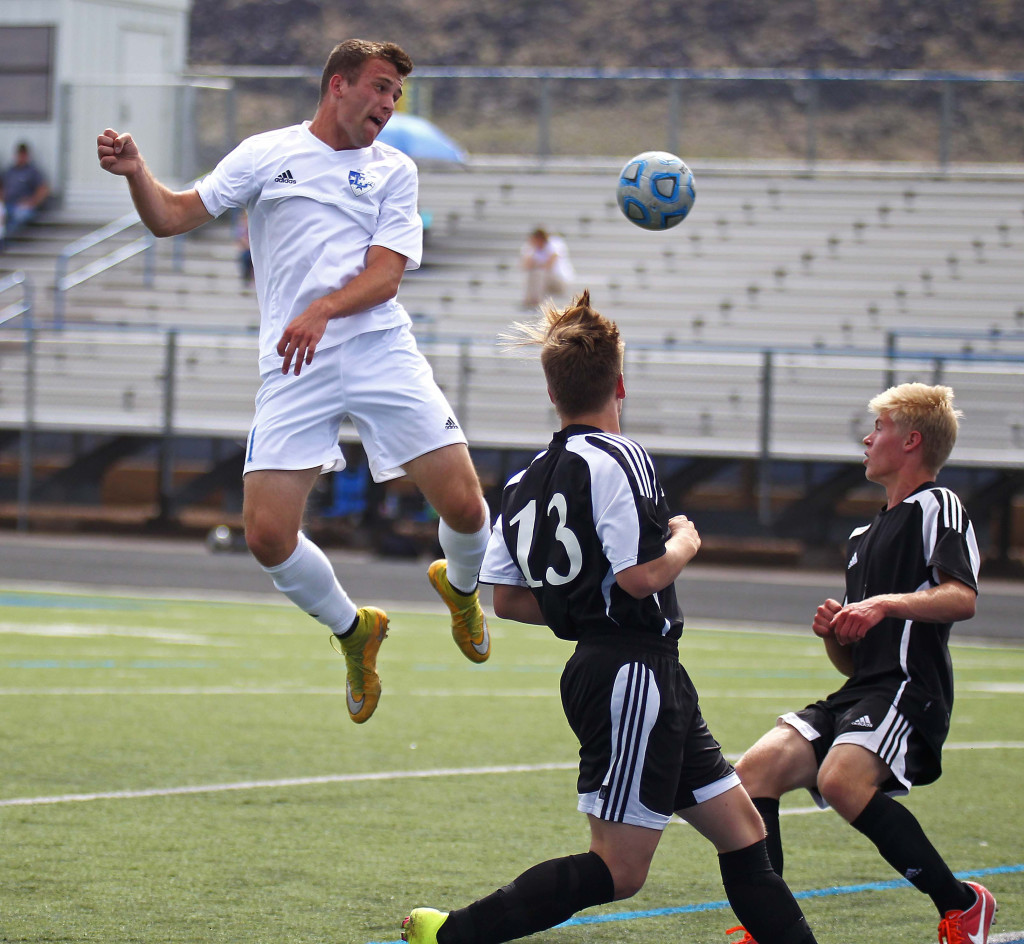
(516, 603)
(377, 283)
(163, 211)
(641, 580)
(950, 601)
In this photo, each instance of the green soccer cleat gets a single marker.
(469, 625)
(360, 647)
(421, 926)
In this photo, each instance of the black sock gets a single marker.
(540, 898)
(348, 632)
(903, 844)
(768, 807)
(761, 899)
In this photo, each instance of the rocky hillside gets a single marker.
(897, 34)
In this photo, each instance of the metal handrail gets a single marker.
(63, 280)
(27, 442)
(13, 280)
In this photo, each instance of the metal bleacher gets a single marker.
(818, 269)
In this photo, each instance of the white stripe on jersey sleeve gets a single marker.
(638, 459)
(614, 507)
(939, 501)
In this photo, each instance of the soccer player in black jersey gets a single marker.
(585, 544)
(911, 573)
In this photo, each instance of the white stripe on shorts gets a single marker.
(888, 741)
(635, 705)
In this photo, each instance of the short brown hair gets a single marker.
(581, 353)
(347, 58)
(930, 411)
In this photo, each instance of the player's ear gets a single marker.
(912, 440)
(337, 84)
(620, 388)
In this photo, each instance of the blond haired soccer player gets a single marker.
(585, 544)
(911, 573)
(333, 226)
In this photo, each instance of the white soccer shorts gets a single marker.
(378, 379)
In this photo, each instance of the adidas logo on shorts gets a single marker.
(863, 722)
(451, 424)
(285, 178)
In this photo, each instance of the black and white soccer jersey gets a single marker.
(588, 507)
(903, 550)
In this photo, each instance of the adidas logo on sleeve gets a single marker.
(285, 178)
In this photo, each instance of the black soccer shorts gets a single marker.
(645, 750)
(872, 719)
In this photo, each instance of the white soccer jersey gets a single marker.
(313, 213)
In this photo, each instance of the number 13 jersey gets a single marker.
(586, 508)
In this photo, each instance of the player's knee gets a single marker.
(836, 789)
(757, 770)
(465, 511)
(628, 882)
(268, 544)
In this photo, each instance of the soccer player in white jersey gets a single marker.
(911, 573)
(585, 544)
(333, 226)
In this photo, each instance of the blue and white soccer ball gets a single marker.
(655, 190)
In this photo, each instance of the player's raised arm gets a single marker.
(164, 212)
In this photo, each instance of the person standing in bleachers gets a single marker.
(911, 573)
(548, 270)
(333, 227)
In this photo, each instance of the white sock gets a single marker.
(464, 553)
(307, 579)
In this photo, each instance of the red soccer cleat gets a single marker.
(970, 926)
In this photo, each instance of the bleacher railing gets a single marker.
(65, 280)
(22, 309)
(457, 96)
(145, 244)
(754, 403)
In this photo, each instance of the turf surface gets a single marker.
(186, 772)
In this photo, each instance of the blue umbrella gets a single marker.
(420, 139)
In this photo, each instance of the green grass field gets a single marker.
(186, 772)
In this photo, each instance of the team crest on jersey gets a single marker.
(361, 182)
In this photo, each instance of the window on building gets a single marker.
(26, 73)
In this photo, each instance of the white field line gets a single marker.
(279, 690)
(980, 688)
(369, 777)
(289, 782)
(85, 630)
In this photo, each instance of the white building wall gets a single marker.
(118, 65)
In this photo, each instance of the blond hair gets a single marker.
(581, 353)
(930, 411)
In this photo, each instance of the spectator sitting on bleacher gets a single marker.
(545, 259)
(24, 189)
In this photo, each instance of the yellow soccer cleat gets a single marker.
(469, 625)
(362, 687)
(420, 927)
